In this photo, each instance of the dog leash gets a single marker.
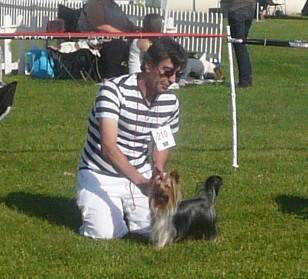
(132, 195)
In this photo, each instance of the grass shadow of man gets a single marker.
(57, 210)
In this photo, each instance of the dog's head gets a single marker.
(218, 73)
(165, 191)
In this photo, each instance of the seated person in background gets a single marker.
(151, 23)
(107, 16)
(201, 69)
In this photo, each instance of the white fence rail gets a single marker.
(32, 15)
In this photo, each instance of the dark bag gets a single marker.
(70, 17)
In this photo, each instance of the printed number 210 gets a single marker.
(161, 135)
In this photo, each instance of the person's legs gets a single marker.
(244, 63)
(111, 207)
(99, 200)
(239, 28)
(114, 55)
(248, 23)
(136, 208)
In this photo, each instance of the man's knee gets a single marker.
(101, 223)
(100, 232)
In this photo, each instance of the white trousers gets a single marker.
(111, 207)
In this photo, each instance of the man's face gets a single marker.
(162, 75)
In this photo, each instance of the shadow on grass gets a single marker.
(293, 205)
(289, 17)
(137, 238)
(56, 210)
(33, 150)
(186, 148)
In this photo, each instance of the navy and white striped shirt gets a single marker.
(121, 99)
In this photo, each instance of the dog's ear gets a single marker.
(175, 176)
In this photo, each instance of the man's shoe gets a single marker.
(244, 85)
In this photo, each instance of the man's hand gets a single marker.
(145, 188)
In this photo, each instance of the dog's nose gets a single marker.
(163, 175)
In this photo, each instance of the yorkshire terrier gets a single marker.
(164, 198)
(175, 220)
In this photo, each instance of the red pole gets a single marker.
(92, 35)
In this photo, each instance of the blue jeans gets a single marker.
(240, 22)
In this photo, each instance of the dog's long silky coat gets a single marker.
(175, 220)
(197, 218)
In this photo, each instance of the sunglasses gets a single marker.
(168, 73)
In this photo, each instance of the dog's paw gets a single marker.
(183, 83)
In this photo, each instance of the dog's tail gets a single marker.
(212, 187)
(215, 182)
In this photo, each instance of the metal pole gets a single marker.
(98, 35)
(268, 42)
(233, 100)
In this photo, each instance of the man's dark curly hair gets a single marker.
(162, 49)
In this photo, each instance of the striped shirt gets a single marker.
(120, 99)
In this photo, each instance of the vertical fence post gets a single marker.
(8, 27)
(165, 6)
(1, 59)
(33, 28)
(21, 47)
(21, 57)
(7, 45)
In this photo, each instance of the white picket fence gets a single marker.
(32, 15)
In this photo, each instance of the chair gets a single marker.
(7, 93)
(276, 8)
(75, 60)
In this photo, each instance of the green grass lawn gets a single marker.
(263, 207)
